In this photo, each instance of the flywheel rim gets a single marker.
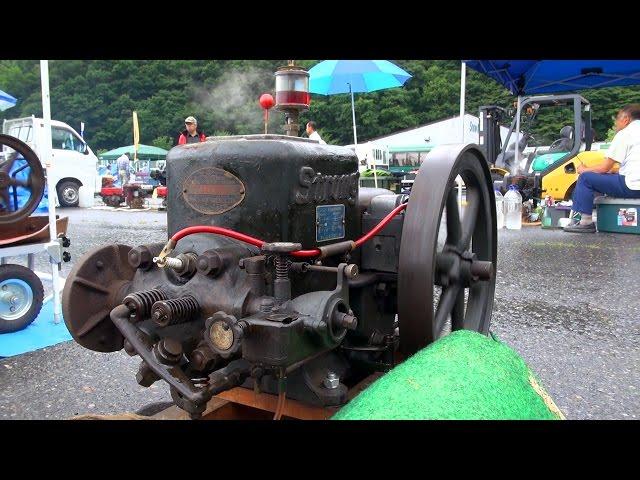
(422, 263)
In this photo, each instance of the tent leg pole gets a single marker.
(48, 158)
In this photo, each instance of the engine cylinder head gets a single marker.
(141, 303)
(174, 311)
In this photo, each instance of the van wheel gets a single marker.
(21, 296)
(68, 194)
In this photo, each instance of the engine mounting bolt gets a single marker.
(331, 381)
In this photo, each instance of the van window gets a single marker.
(63, 139)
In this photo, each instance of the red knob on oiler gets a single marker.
(266, 101)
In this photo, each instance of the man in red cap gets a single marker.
(192, 134)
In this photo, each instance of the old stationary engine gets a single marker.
(281, 274)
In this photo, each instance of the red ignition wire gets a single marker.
(374, 231)
(220, 231)
(299, 253)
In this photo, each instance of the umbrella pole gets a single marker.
(355, 136)
(463, 77)
(516, 167)
(353, 114)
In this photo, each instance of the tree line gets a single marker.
(223, 96)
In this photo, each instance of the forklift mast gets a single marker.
(490, 140)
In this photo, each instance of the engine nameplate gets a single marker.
(212, 190)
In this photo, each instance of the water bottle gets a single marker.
(499, 209)
(513, 208)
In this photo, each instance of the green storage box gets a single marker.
(552, 215)
(617, 215)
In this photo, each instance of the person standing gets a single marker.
(123, 167)
(313, 133)
(192, 134)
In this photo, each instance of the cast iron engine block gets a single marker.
(263, 284)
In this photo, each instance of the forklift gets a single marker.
(544, 171)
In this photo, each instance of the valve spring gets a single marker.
(177, 310)
(141, 303)
(282, 266)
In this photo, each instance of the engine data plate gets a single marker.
(212, 190)
(329, 222)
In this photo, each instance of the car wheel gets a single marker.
(21, 295)
(69, 194)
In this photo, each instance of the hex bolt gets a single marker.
(331, 381)
(209, 263)
(140, 257)
(169, 351)
(203, 358)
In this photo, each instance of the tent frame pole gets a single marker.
(51, 190)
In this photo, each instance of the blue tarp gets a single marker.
(41, 333)
(22, 193)
(530, 77)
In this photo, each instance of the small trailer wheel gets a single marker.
(21, 296)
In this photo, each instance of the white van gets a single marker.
(74, 164)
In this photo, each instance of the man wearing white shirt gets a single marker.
(624, 150)
(313, 134)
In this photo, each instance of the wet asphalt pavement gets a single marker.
(569, 304)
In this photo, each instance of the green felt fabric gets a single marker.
(464, 375)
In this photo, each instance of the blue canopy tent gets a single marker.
(531, 77)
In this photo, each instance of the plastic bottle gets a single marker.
(499, 209)
(513, 208)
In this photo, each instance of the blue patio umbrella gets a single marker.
(6, 101)
(332, 77)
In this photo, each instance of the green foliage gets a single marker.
(610, 134)
(380, 173)
(223, 96)
(162, 142)
(326, 135)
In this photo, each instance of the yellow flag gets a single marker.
(136, 136)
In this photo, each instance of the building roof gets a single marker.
(455, 117)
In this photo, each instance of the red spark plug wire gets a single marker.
(383, 223)
(258, 243)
